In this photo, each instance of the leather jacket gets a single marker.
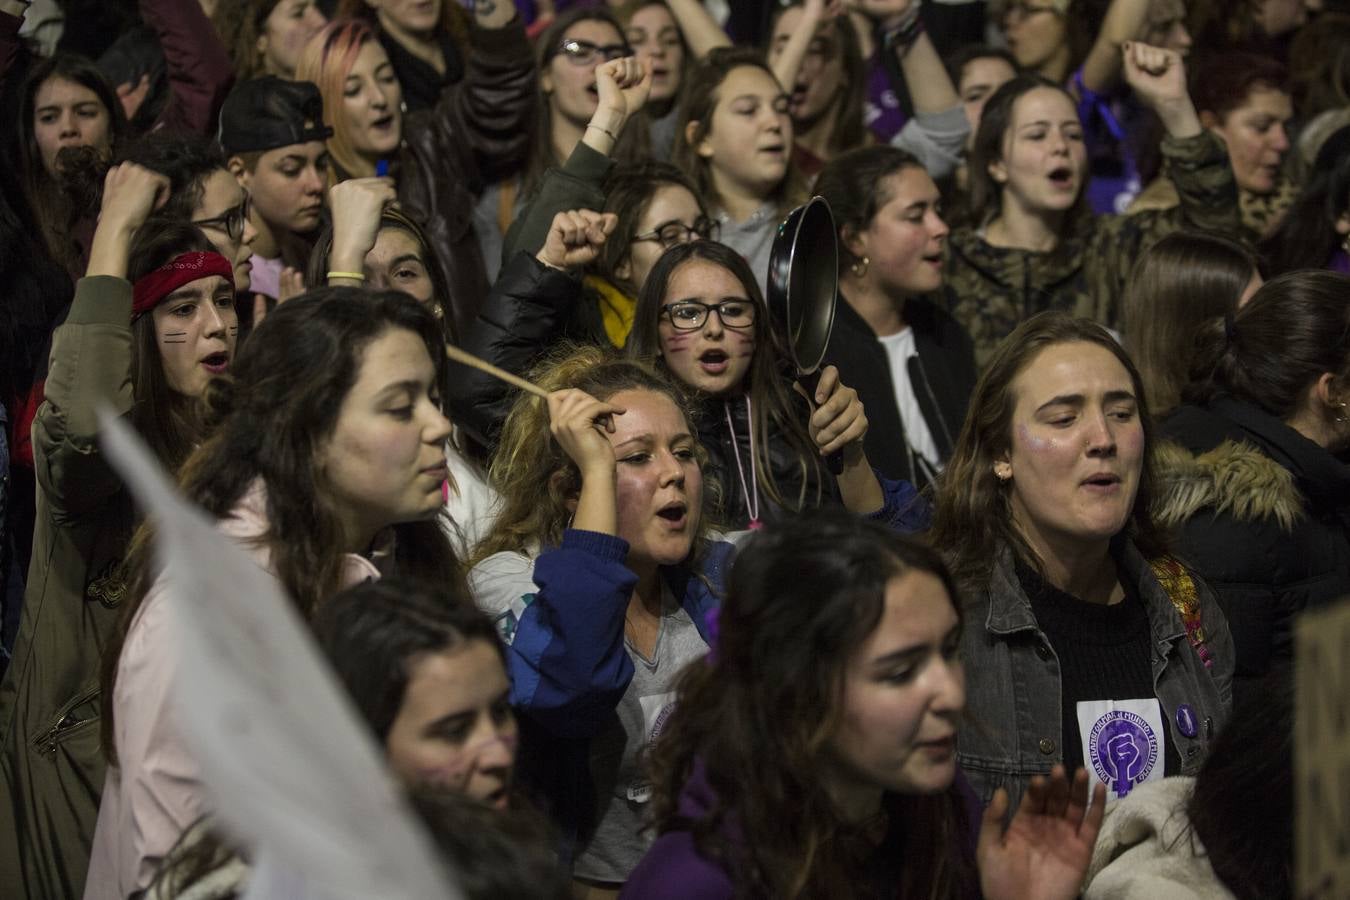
(478, 134)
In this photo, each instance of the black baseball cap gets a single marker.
(269, 112)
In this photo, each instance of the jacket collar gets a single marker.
(1010, 608)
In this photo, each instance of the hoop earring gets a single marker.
(1341, 419)
(859, 268)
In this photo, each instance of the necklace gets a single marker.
(750, 492)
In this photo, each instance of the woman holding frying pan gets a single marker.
(701, 317)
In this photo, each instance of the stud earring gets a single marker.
(1003, 472)
(859, 268)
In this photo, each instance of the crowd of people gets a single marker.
(1002, 606)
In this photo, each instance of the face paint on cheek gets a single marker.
(678, 342)
(174, 337)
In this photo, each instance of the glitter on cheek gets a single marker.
(1033, 442)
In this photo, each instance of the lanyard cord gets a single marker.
(752, 491)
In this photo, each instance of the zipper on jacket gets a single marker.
(47, 742)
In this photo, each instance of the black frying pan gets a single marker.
(803, 289)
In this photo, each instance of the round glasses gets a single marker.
(584, 53)
(672, 233)
(231, 221)
(690, 315)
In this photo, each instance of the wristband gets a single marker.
(354, 276)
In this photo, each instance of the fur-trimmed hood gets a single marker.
(1233, 478)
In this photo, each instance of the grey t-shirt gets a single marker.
(752, 239)
(622, 789)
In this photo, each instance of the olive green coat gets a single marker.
(994, 288)
(49, 700)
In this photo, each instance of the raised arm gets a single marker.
(200, 72)
(786, 60)
(701, 32)
(11, 20)
(1123, 23)
(624, 86)
(91, 352)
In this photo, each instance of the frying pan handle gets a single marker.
(809, 383)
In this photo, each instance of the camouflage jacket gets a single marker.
(993, 289)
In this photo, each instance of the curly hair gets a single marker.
(530, 470)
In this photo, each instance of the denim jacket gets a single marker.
(1012, 727)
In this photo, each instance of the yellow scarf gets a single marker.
(616, 309)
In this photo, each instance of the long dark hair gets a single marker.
(986, 194)
(55, 204)
(1306, 237)
(700, 101)
(374, 632)
(269, 421)
(1242, 806)
(1182, 281)
(758, 715)
(1292, 331)
(850, 128)
(633, 142)
(171, 423)
(766, 384)
(973, 517)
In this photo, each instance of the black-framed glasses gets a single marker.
(672, 233)
(231, 221)
(689, 315)
(583, 53)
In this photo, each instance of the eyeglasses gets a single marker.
(231, 221)
(689, 315)
(672, 233)
(1020, 11)
(583, 53)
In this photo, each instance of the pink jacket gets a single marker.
(153, 793)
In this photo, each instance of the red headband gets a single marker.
(182, 269)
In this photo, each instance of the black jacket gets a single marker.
(530, 308)
(1263, 515)
(942, 373)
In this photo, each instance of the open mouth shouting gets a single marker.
(714, 361)
(1062, 178)
(675, 514)
(216, 363)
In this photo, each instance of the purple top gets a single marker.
(1340, 262)
(1109, 192)
(881, 107)
(673, 868)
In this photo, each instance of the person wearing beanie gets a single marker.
(272, 133)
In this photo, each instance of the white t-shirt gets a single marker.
(899, 350)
